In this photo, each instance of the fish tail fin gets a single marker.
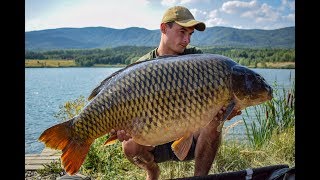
(57, 136)
(74, 150)
(73, 156)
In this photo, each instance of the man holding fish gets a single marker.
(171, 105)
(176, 28)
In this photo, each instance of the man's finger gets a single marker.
(128, 136)
(120, 135)
(112, 132)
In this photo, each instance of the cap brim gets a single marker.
(200, 26)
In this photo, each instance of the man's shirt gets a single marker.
(153, 54)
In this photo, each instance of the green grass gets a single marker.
(53, 168)
(108, 162)
(271, 137)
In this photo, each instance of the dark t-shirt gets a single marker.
(153, 54)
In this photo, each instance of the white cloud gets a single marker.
(232, 7)
(239, 27)
(209, 18)
(35, 24)
(213, 19)
(262, 14)
(289, 17)
(148, 13)
(185, 1)
(169, 2)
(194, 1)
(251, 10)
(122, 14)
(288, 3)
(198, 14)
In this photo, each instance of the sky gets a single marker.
(121, 14)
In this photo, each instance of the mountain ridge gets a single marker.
(105, 37)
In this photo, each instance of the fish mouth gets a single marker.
(269, 92)
(267, 97)
(270, 96)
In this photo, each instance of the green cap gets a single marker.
(183, 17)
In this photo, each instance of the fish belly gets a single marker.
(175, 129)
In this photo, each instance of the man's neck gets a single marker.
(161, 51)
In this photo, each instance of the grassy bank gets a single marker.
(54, 63)
(33, 63)
(276, 65)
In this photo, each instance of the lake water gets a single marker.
(48, 88)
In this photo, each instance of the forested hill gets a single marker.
(102, 37)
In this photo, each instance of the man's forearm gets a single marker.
(205, 152)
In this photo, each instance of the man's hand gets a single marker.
(233, 114)
(121, 135)
(221, 112)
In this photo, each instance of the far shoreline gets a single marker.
(30, 63)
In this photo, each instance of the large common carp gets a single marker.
(158, 101)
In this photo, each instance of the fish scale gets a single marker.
(158, 101)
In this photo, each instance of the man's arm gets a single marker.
(208, 142)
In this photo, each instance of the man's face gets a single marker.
(178, 37)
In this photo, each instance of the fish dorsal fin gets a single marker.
(227, 113)
(97, 89)
(182, 146)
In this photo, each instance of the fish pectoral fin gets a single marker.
(111, 140)
(229, 110)
(181, 146)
